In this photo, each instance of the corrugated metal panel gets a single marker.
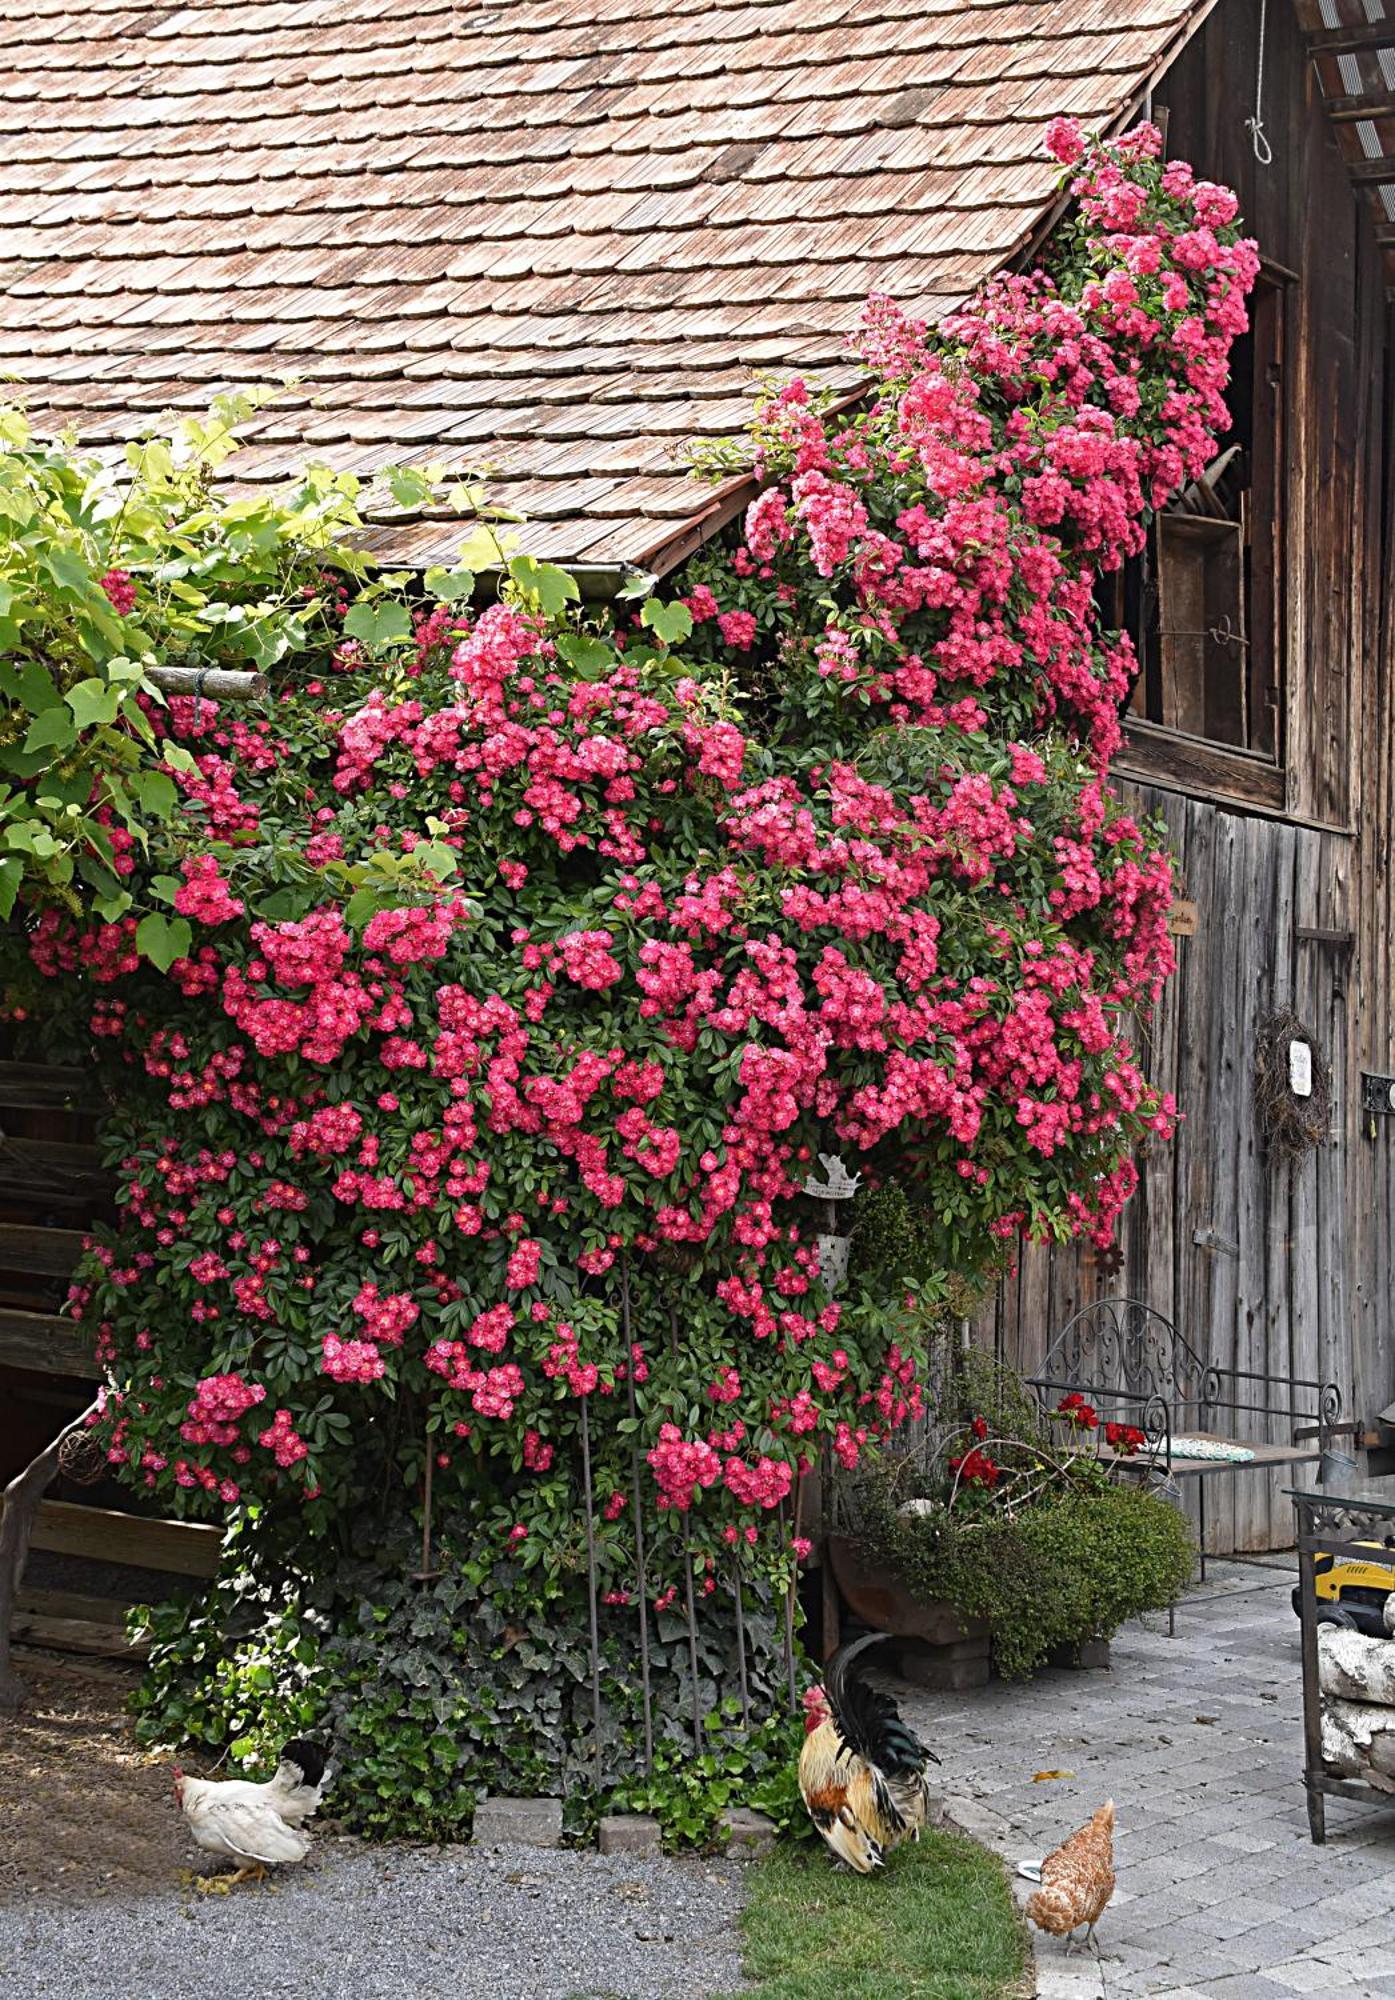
(1353, 48)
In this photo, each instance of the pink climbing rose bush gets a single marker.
(530, 962)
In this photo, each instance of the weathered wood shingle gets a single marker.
(551, 243)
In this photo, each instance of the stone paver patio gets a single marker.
(1198, 1739)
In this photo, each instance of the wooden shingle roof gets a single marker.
(552, 239)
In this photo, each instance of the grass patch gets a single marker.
(937, 1923)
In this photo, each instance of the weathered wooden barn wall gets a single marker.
(1264, 1264)
(1252, 1258)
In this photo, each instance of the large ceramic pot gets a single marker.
(940, 1648)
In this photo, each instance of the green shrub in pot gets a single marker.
(1010, 1522)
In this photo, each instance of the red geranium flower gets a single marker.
(976, 1468)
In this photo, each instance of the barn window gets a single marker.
(1203, 601)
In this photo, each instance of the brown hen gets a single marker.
(1077, 1881)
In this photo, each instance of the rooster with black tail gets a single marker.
(862, 1771)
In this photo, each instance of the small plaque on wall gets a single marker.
(1300, 1068)
(1183, 919)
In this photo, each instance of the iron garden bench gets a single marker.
(1132, 1365)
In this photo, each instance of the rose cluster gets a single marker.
(531, 969)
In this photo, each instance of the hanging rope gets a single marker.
(1264, 152)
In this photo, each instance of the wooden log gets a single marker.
(46, 1343)
(44, 1253)
(53, 1172)
(94, 1638)
(1353, 1666)
(60, 1158)
(217, 683)
(186, 1548)
(1358, 1741)
(81, 1604)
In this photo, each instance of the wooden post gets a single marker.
(22, 1497)
(1312, 1697)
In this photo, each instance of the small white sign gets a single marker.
(1300, 1069)
(833, 1259)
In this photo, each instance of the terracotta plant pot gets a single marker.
(942, 1649)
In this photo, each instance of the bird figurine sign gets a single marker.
(837, 1184)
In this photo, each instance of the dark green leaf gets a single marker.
(11, 875)
(28, 682)
(156, 793)
(162, 939)
(590, 658)
(54, 730)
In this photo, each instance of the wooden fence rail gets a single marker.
(184, 1548)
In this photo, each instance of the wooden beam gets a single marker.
(1365, 172)
(43, 1086)
(73, 1604)
(48, 1343)
(685, 541)
(1380, 104)
(95, 1638)
(186, 1548)
(52, 1173)
(1161, 756)
(1348, 40)
(41, 1253)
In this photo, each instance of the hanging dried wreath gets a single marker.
(1292, 1123)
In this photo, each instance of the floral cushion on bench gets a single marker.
(1229, 1454)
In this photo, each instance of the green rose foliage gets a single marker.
(437, 1690)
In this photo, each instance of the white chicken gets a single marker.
(257, 1825)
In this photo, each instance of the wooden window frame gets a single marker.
(1250, 774)
(1177, 762)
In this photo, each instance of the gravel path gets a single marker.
(360, 1923)
(92, 1906)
